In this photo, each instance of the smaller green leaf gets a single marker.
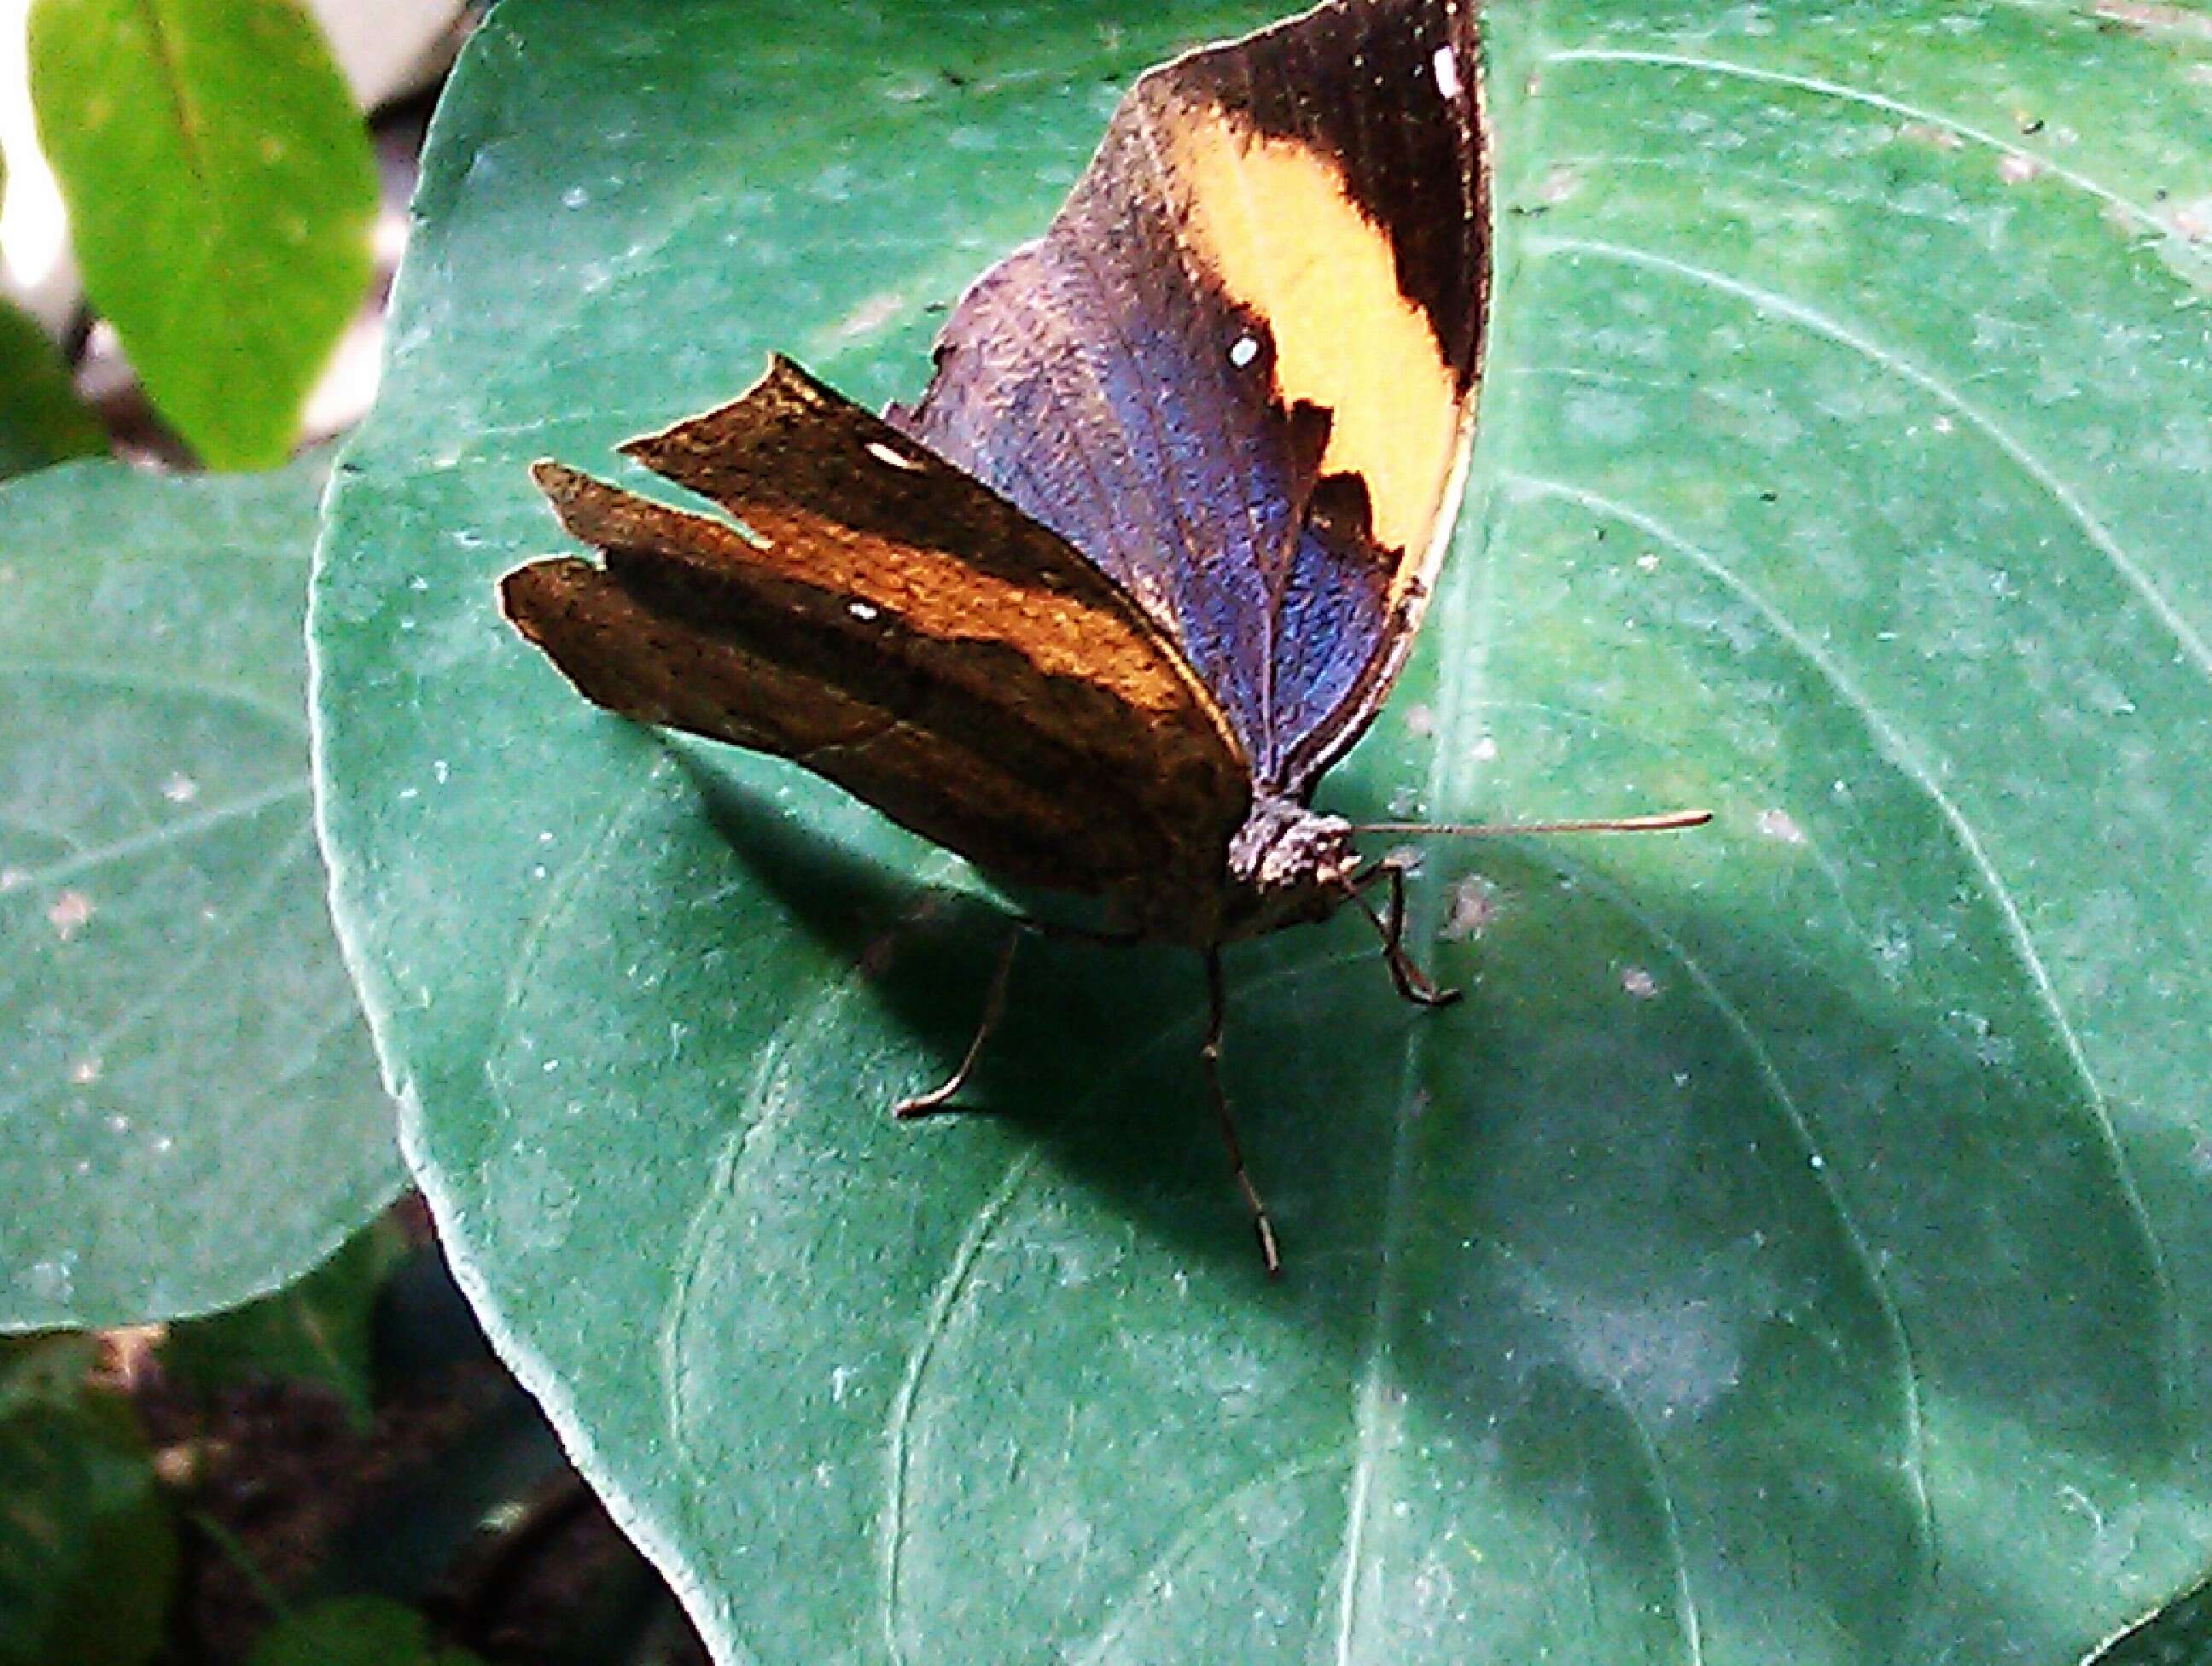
(189, 1113)
(354, 1631)
(42, 421)
(47, 1368)
(87, 1544)
(46, 1524)
(317, 1330)
(220, 188)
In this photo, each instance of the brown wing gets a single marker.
(1238, 371)
(886, 621)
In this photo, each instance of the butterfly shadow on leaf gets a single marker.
(1576, 1221)
(1096, 1053)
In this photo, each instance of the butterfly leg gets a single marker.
(994, 1008)
(1209, 1055)
(1412, 984)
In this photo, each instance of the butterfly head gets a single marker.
(1288, 866)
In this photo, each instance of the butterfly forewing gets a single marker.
(887, 621)
(1238, 370)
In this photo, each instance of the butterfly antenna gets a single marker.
(1665, 822)
(1209, 1054)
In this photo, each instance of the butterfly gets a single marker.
(1100, 608)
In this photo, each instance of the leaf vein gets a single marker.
(1780, 305)
(1900, 751)
(1848, 94)
(154, 838)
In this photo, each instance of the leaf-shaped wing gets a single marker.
(1237, 372)
(884, 620)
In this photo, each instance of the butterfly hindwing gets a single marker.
(882, 619)
(1238, 370)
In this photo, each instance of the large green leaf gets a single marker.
(220, 189)
(1796, 1247)
(189, 1113)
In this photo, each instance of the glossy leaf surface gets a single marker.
(189, 1112)
(1795, 1247)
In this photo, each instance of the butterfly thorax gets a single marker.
(1287, 867)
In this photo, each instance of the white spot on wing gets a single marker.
(861, 610)
(884, 453)
(1243, 352)
(1446, 68)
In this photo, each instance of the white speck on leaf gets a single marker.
(871, 316)
(85, 1072)
(52, 1280)
(180, 788)
(1472, 906)
(69, 913)
(1779, 825)
(1638, 982)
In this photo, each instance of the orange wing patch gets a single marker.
(1274, 220)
